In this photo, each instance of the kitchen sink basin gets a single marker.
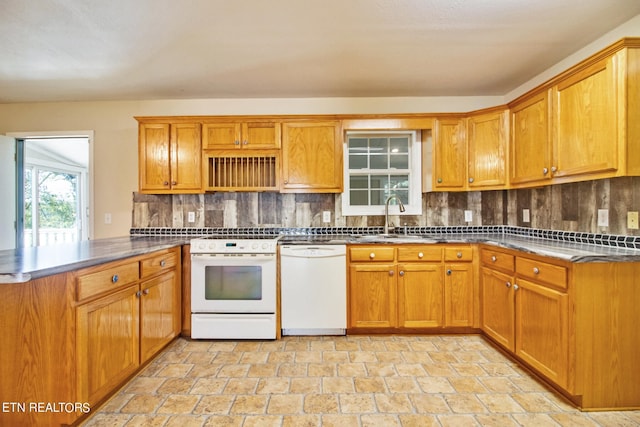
(395, 238)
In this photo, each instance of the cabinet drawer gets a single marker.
(497, 259)
(552, 274)
(372, 254)
(157, 263)
(420, 253)
(458, 254)
(105, 280)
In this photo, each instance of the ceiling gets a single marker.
(70, 50)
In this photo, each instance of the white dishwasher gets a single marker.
(313, 289)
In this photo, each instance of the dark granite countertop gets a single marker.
(25, 264)
(22, 265)
(567, 251)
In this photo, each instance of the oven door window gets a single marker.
(233, 283)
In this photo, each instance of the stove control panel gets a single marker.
(233, 246)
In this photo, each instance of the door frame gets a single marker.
(89, 134)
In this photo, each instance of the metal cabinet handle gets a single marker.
(115, 278)
(146, 292)
(554, 169)
(372, 255)
(449, 272)
(545, 171)
(390, 272)
(138, 294)
(420, 254)
(401, 273)
(459, 255)
(515, 287)
(165, 183)
(163, 263)
(245, 142)
(236, 142)
(508, 284)
(536, 270)
(470, 179)
(439, 180)
(494, 259)
(174, 182)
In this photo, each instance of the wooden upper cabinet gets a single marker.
(586, 138)
(312, 157)
(253, 135)
(487, 141)
(450, 155)
(170, 158)
(531, 140)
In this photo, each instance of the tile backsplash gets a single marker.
(564, 207)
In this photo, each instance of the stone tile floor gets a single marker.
(341, 381)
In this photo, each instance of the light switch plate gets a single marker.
(191, 217)
(603, 217)
(632, 220)
(526, 217)
(107, 218)
(326, 216)
(468, 216)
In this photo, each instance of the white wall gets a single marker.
(115, 137)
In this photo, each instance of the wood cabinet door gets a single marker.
(488, 150)
(160, 313)
(497, 307)
(450, 155)
(420, 295)
(531, 140)
(372, 296)
(585, 139)
(107, 343)
(542, 329)
(224, 136)
(154, 171)
(458, 294)
(186, 157)
(312, 157)
(261, 135)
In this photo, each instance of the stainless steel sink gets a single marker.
(395, 238)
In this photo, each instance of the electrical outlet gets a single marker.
(107, 218)
(191, 217)
(603, 217)
(632, 220)
(468, 216)
(326, 216)
(526, 216)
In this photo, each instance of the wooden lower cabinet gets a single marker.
(541, 329)
(409, 287)
(372, 296)
(497, 307)
(108, 335)
(160, 313)
(420, 290)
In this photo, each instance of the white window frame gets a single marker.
(413, 206)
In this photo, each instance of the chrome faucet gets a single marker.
(389, 227)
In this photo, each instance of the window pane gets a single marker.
(357, 162)
(358, 145)
(359, 197)
(399, 145)
(378, 197)
(379, 181)
(399, 181)
(399, 161)
(379, 161)
(403, 195)
(379, 145)
(359, 181)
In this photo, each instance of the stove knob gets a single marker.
(254, 246)
(265, 245)
(201, 245)
(212, 245)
